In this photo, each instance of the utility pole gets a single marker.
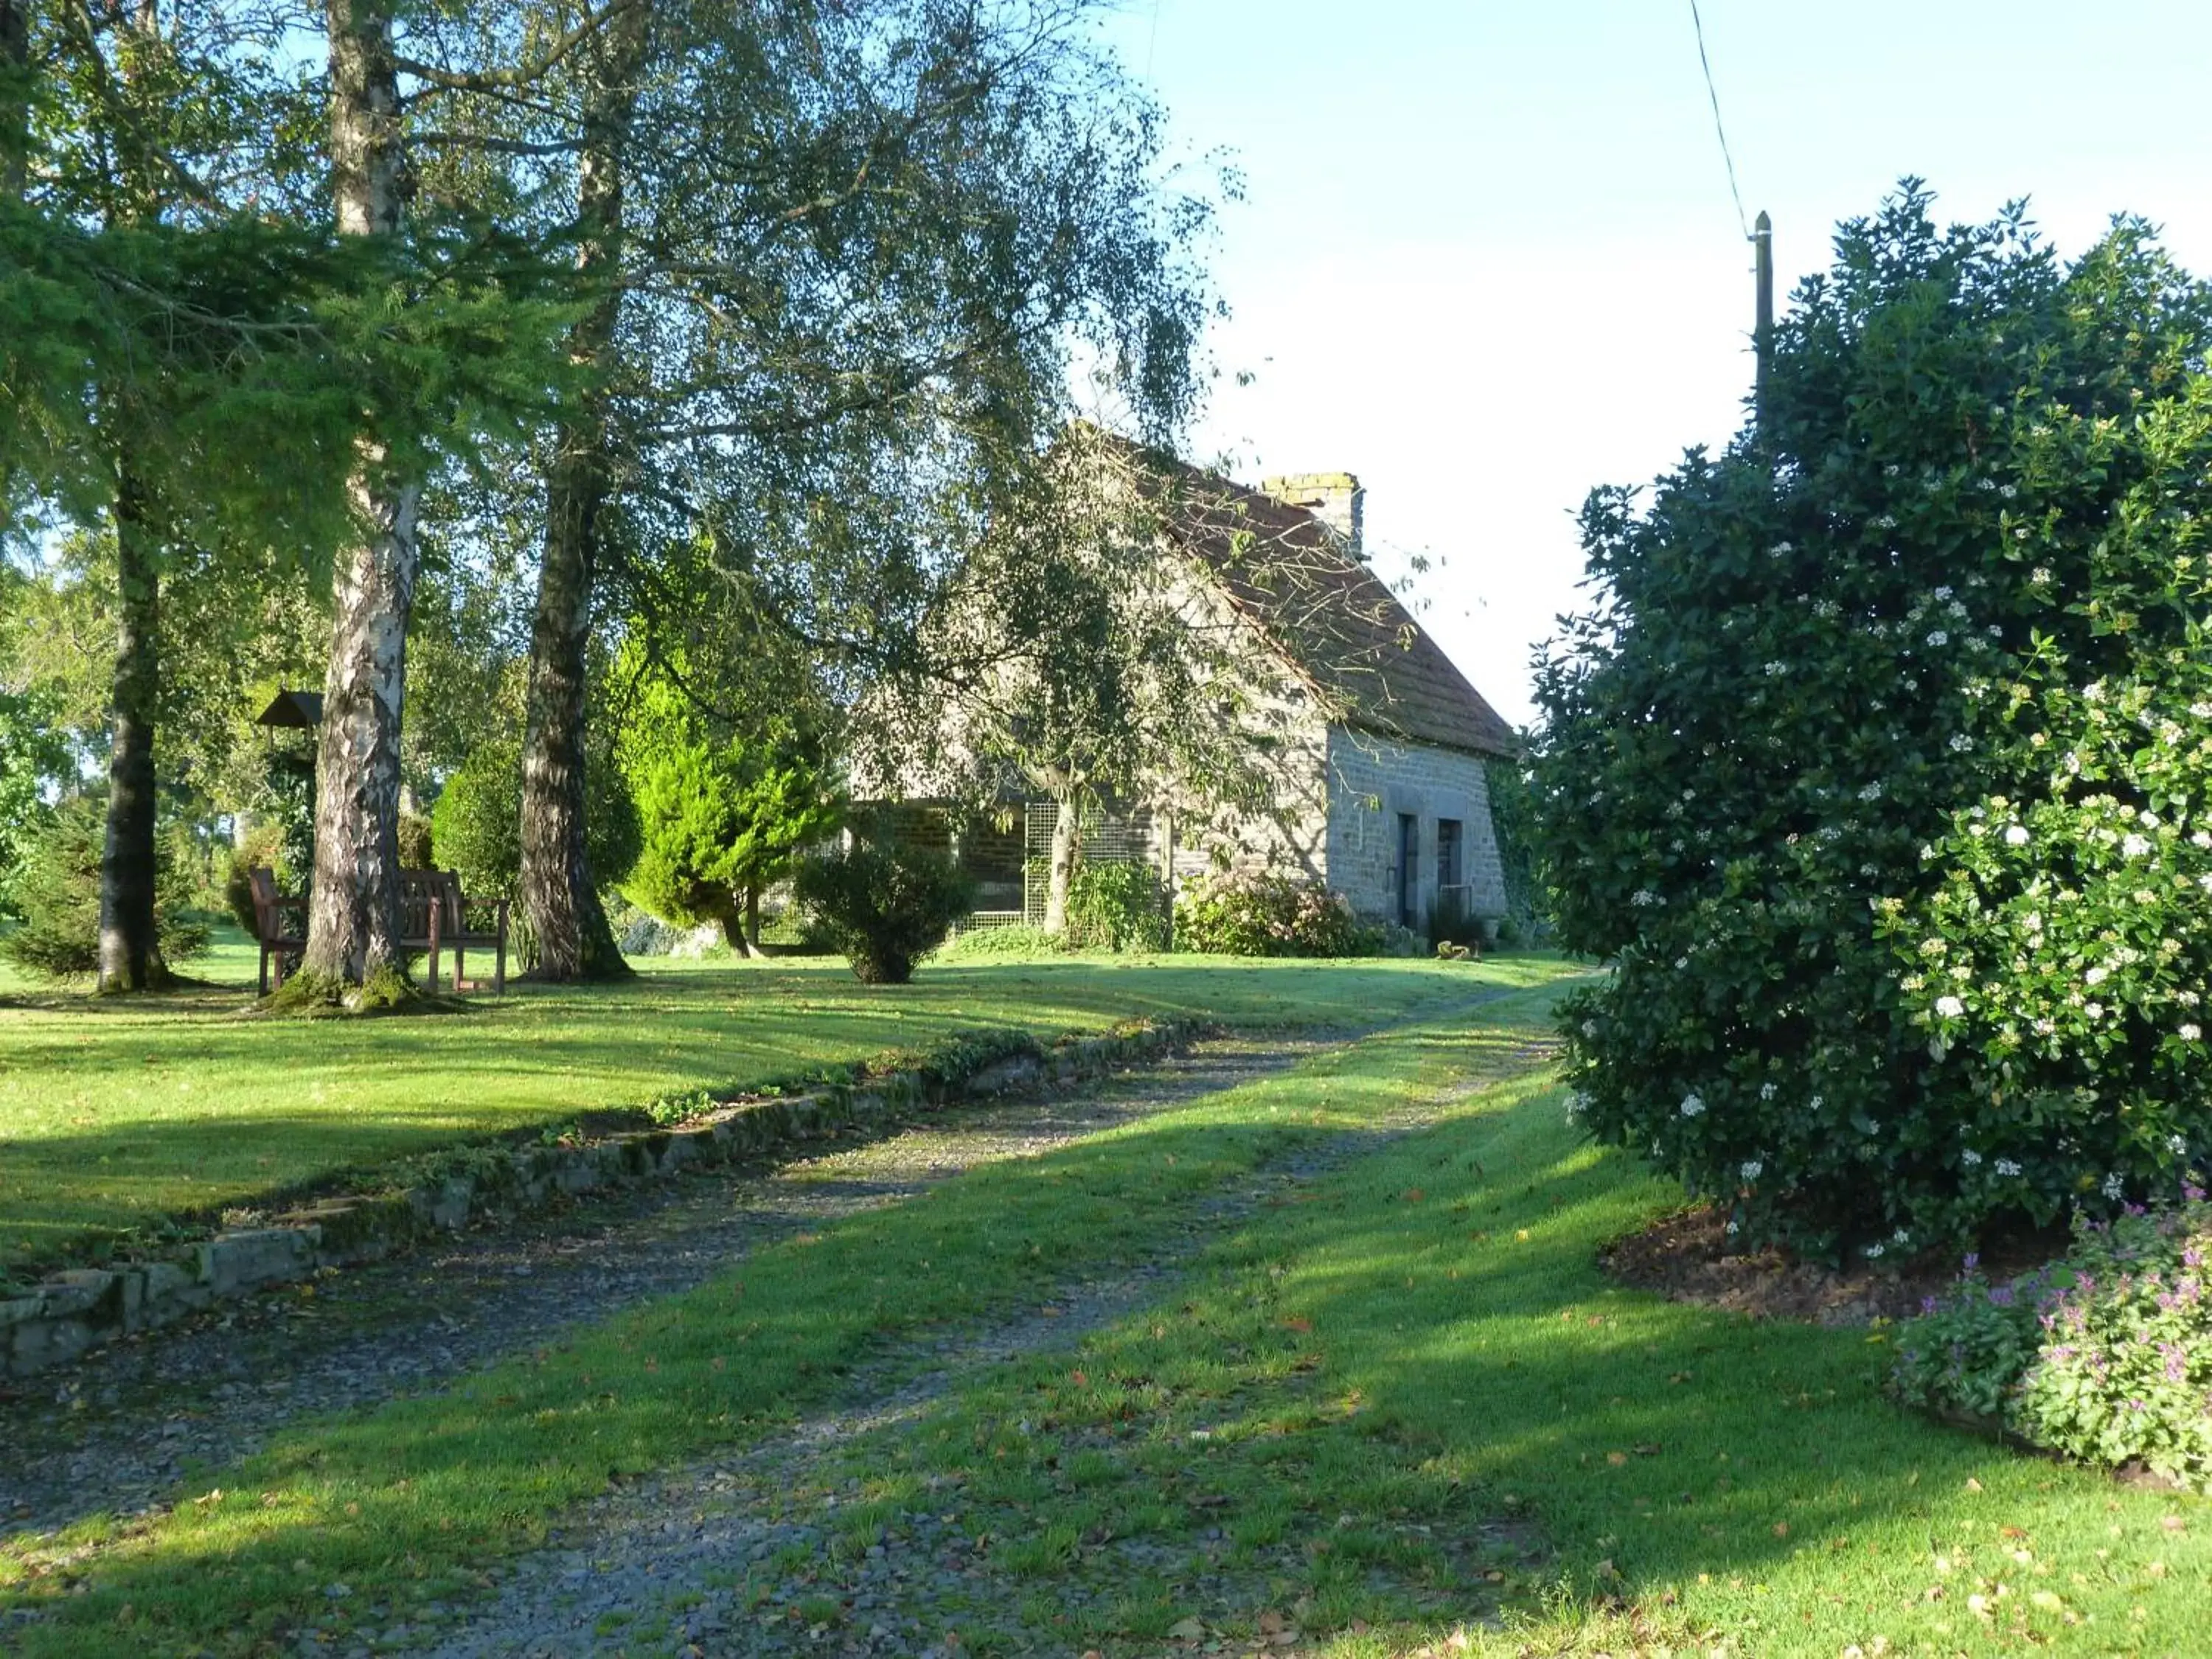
(1762, 338)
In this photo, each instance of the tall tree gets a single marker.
(353, 915)
(560, 899)
(843, 330)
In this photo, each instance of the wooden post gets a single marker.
(1762, 338)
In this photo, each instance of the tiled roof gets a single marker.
(1326, 612)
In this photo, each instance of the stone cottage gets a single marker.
(1377, 745)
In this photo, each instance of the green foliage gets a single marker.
(718, 818)
(417, 843)
(33, 758)
(1117, 907)
(1513, 820)
(58, 894)
(885, 906)
(476, 827)
(475, 824)
(2104, 1356)
(998, 944)
(1276, 913)
(263, 848)
(1880, 770)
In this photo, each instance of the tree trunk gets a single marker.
(15, 97)
(130, 939)
(559, 897)
(353, 915)
(752, 922)
(1066, 849)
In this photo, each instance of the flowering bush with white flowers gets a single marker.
(1909, 932)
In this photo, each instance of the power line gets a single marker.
(1721, 131)
(1152, 43)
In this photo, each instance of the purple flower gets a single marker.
(2001, 1296)
(1973, 1260)
(1927, 1304)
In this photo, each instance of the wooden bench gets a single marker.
(433, 909)
(433, 913)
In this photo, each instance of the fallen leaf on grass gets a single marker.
(1616, 1458)
(1187, 1630)
(1782, 1530)
(1298, 1324)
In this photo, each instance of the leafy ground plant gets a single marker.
(2106, 1356)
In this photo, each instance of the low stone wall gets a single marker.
(72, 1311)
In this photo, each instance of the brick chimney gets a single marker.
(1334, 498)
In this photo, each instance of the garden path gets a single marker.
(756, 1554)
(116, 1433)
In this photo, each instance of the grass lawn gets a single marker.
(1360, 1379)
(115, 1114)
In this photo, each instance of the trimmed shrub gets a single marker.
(883, 907)
(57, 892)
(1879, 771)
(996, 943)
(2106, 1356)
(1117, 907)
(721, 818)
(1270, 914)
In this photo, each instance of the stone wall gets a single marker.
(1371, 781)
(69, 1312)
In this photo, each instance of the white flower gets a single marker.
(2040, 575)
(1960, 743)
(2095, 1010)
(1682, 963)
(1950, 1007)
(1817, 1102)
(1643, 896)
(1578, 1103)
(1872, 791)
(2191, 1032)
(1939, 637)
(1884, 522)
(1780, 548)
(2202, 710)
(2177, 1146)
(1900, 1237)
(2094, 692)
(1873, 1250)
(2008, 490)
(1969, 1157)
(1768, 1091)
(1943, 593)
(2202, 841)
(1751, 1169)
(1692, 1106)
(2005, 1166)
(2098, 975)
(2135, 846)
(2016, 835)
(2114, 1188)
(1590, 1028)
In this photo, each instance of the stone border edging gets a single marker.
(74, 1310)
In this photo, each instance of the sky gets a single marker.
(1487, 257)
